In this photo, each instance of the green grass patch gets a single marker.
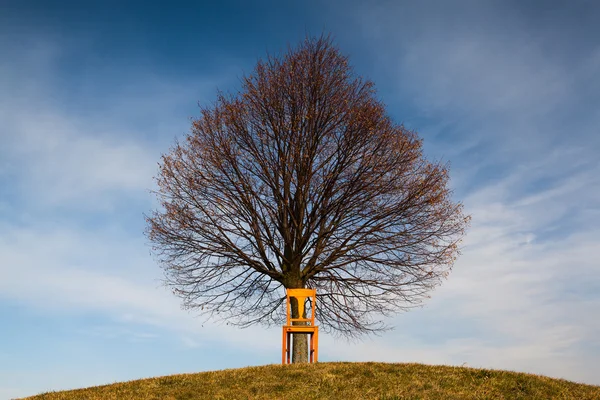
(344, 380)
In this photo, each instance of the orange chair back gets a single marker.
(301, 295)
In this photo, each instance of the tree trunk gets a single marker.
(299, 341)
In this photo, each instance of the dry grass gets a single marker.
(346, 381)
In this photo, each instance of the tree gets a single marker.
(300, 179)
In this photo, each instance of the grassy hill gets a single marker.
(346, 381)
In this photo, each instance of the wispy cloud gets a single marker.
(118, 332)
(94, 142)
(527, 169)
(515, 300)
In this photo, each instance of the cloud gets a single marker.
(90, 142)
(74, 164)
(494, 79)
(118, 333)
(101, 273)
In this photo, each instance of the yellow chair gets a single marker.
(310, 329)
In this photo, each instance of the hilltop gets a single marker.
(339, 380)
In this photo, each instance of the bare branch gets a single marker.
(302, 180)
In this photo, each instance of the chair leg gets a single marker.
(317, 345)
(312, 347)
(283, 346)
(289, 347)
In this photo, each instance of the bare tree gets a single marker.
(301, 180)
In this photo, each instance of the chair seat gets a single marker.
(300, 328)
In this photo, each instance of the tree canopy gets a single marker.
(301, 179)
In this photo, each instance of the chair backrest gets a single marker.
(301, 295)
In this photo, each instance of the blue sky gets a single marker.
(90, 97)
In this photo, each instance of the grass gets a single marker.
(346, 381)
